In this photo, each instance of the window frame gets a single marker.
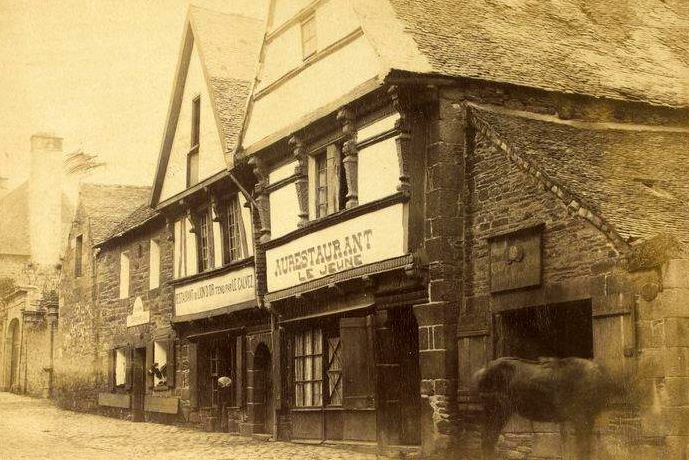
(195, 141)
(78, 255)
(327, 163)
(323, 380)
(309, 37)
(124, 277)
(204, 215)
(163, 345)
(120, 354)
(221, 351)
(231, 231)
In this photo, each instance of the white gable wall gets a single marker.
(211, 159)
(315, 85)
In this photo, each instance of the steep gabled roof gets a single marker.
(633, 178)
(140, 216)
(106, 206)
(228, 46)
(635, 51)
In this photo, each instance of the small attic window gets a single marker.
(652, 186)
(308, 37)
(193, 155)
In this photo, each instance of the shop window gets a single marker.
(159, 364)
(203, 239)
(78, 255)
(154, 265)
(120, 366)
(193, 155)
(330, 186)
(309, 45)
(308, 368)
(232, 231)
(124, 276)
(560, 331)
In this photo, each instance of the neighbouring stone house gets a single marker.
(441, 183)
(34, 221)
(100, 208)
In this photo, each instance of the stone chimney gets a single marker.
(45, 199)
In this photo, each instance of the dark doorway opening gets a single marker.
(138, 384)
(263, 390)
(13, 350)
(559, 330)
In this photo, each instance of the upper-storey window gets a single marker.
(308, 37)
(124, 276)
(203, 239)
(78, 253)
(330, 186)
(154, 265)
(232, 231)
(193, 155)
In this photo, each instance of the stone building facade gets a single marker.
(100, 208)
(420, 214)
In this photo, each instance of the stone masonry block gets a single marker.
(677, 390)
(677, 332)
(437, 364)
(433, 313)
(443, 176)
(677, 420)
(442, 203)
(673, 302)
(676, 274)
(677, 362)
(444, 290)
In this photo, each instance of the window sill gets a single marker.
(214, 272)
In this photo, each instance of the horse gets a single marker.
(557, 390)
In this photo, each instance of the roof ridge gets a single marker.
(572, 201)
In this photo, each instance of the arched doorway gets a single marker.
(13, 346)
(263, 390)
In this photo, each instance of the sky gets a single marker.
(98, 73)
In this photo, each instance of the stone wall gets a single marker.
(77, 327)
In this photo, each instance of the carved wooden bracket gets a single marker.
(302, 182)
(263, 202)
(192, 221)
(217, 211)
(170, 227)
(402, 103)
(350, 155)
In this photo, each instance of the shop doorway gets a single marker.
(263, 390)
(138, 384)
(13, 349)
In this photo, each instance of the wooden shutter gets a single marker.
(170, 367)
(192, 355)
(244, 250)
(333, 172)
(128, 377)
(356, 338)
(150, 347)
(613, 340)
(239, 372)
(111, 370)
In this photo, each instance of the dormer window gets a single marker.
(193, 156)
(308, 37)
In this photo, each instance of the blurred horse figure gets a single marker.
(549, 390)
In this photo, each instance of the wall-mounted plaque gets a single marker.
(515, 259)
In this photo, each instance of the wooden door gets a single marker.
(138, 375)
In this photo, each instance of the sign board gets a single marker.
(515, 260)
(373, 237)
(138, 316)
(220, 291)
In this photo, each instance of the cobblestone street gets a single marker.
(35, 429)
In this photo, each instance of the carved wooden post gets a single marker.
(170, 227)
(401, 101)
(193, 224)
(262, 200)
(302, 182)
(350, 161)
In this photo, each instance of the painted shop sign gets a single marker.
(366, 239)
(221, 291)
